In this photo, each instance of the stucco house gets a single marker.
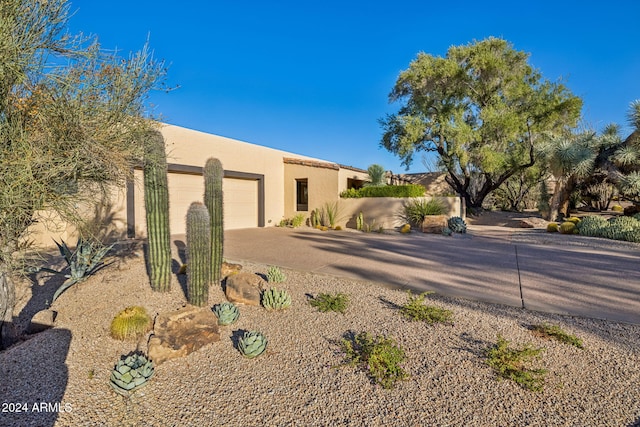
(261, 186)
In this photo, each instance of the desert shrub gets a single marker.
(409, 190)
(294, 222)
(567, 227)
(555, 332)
(330, 302)
(381, 356)
(415, 210)
(510, 363)
(592, 225)
(416, 310)
(552, 227)
(330, 214)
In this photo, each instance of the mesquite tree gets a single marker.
(71, 121)
(481, 109)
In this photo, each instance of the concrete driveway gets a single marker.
(489, 264)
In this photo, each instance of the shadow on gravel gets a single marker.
(34, 378)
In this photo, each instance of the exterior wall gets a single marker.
(385, 211)
(346, 173)
(322, 185)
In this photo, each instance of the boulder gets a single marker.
(182, 332)
(229, 269)
(41, 321)
(434, 224)
(533, 222)
(244, 288)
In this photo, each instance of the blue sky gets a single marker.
(313, 77)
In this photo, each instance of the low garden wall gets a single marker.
(386, 211)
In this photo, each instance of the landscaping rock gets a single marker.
(42, 321)
(244, 288)
(533, 223)
(434, 224)
(229, 269)
(182, 332)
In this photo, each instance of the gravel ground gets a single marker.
(296, 382)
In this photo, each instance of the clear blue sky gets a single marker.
(313, 77)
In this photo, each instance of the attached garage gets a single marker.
(243, 199)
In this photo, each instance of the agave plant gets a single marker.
(227, 313)
(457, 224)
(130, 373)
(85, 260)
(274, 299)
(252, 344)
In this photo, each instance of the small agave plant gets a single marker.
(274, 299)
(457, 224)
(252, 344)
(227, 313)
(130, 373)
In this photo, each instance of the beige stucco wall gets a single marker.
(322, 186)
(344, 174)
(385, 211)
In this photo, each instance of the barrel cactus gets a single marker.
(274, 299)
(130, 323)
(156, 206)
(567, 227)
(213, 177)
(552, 227)
(275, 275)
(406, 228)
(457, 224)
(252, 344)
(130, 373)
(227, 313)
(198, 254)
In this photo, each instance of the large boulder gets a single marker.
(244, 288)
(182, 332)
(434, 224)
(228, 269)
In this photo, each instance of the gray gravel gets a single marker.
(296, 382)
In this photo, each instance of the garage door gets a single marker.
(240, 201)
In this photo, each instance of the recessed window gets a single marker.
(302, 194)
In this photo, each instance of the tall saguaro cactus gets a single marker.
(213, 175)
(198, 254)
(156, 204)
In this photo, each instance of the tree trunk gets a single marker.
(7, 303)
(554, 206)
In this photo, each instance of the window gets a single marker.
(354, 183)
(302, 194)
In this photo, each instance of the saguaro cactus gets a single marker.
(213, 174)
(156, 204)
(198, 254)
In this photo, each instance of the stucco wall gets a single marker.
(322, 184)
(385, 211)
(344, 174)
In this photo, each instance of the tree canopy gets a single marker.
(482, 108)
(72, 119)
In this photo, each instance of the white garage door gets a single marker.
(240, 203)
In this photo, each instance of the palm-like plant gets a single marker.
(570, 158)
(376, 175)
